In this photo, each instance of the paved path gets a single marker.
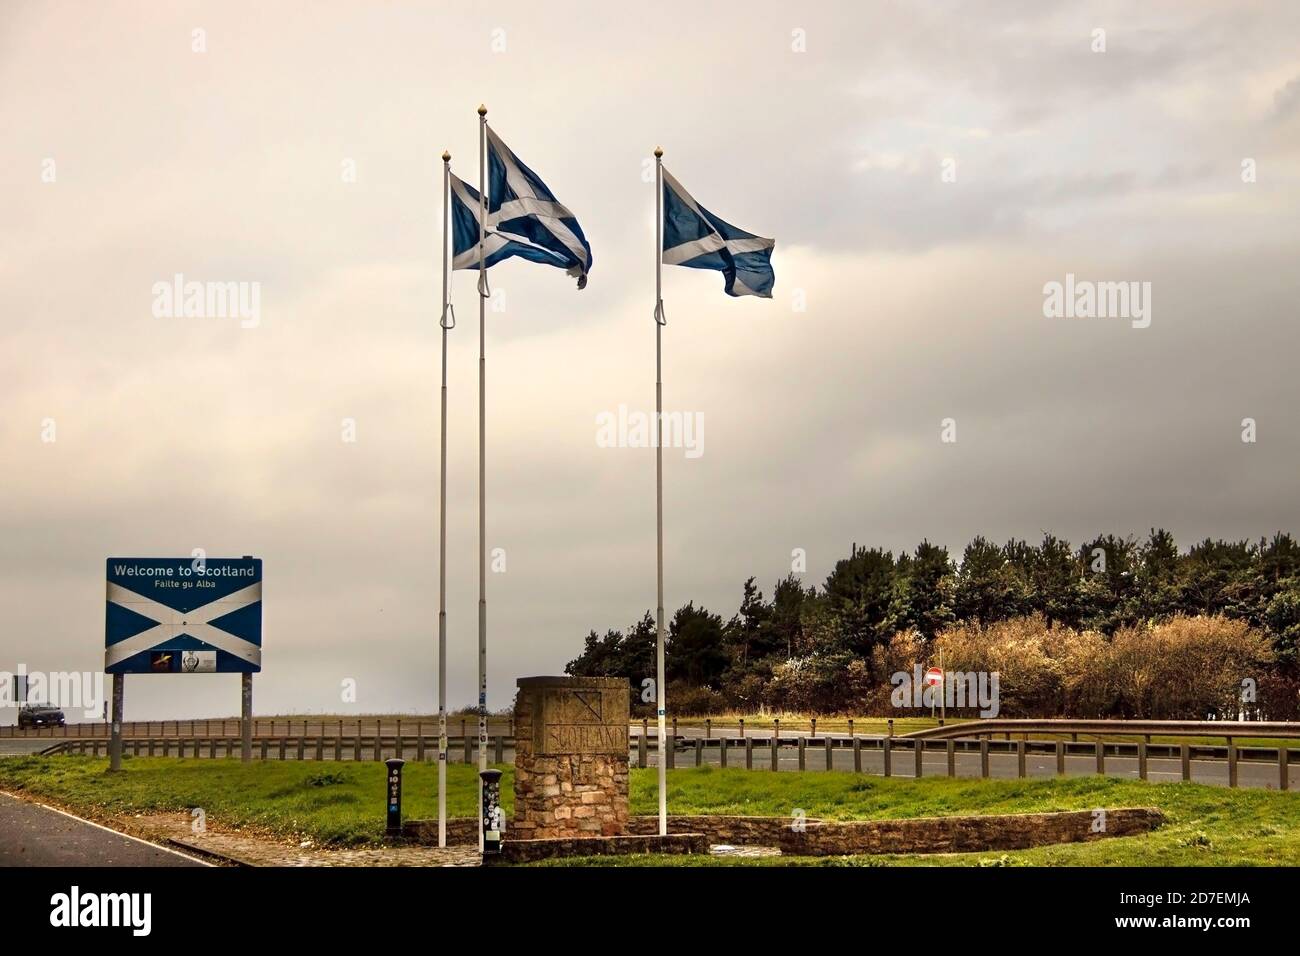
(35, 835)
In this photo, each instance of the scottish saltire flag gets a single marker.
(523, 219)
(696, 238)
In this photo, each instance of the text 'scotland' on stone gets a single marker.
(575, 721)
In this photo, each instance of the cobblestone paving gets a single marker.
(254, 850)
(745, 851)
(251, 850)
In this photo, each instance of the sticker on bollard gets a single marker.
(493, 819)
(394, 827)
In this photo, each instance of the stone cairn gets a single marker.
(571, 757)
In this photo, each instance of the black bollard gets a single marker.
(394, 827)
(493, 819)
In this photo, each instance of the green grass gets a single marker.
(342, 804)
(339, 804)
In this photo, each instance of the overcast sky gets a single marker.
(831, 131)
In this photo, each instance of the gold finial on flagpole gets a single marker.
(446, 156)
(482, 110)
(659, 152)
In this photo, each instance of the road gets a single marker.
(34, 835)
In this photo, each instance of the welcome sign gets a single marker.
(183, 615)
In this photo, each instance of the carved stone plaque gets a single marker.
(582, 721)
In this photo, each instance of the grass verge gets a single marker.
(341, 804)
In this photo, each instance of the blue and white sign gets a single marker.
(183, 615)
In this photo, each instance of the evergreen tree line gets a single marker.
(832, 645)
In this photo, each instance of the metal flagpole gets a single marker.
(661, 696)
(482, 458)
(442, 515)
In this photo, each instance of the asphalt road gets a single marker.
(33, 835)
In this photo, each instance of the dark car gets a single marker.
(40, 715)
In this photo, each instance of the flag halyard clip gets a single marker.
(659, 313)
(483, 290)
(448, 310)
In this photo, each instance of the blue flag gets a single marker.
(696, 238)
(523, 219)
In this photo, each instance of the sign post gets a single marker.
(934, 679)
(246, 717)
(115, 740)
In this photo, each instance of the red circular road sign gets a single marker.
(933, 677)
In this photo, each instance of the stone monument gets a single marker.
(571, 757)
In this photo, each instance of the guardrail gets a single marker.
(757, 752)
(315, 747)
(1227, 729)
(262, 726)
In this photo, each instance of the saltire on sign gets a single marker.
(697, 239)
(176, 615)
(523, 219)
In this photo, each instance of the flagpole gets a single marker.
(661, 696)
(482, 459)
(442, 518)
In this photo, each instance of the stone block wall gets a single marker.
(571, 758)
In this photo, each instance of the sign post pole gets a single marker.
(115, 741)
(246, 716)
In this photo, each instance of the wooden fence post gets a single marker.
(1232, 762)
(1020, 758)
(499, 751)
(1101, 756)
(1283, 771)
(830, 757)
(722, 751)
(803, 749)
(918, 749)
(888, 745)
(776, 745)
(950, 750)
(1142, 759)
(749, 753)
(857, 755)
(642, 744)
(699, 751)
(984, 756)
(1060, 757)
(1185, 752)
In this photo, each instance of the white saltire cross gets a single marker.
(172, 623)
